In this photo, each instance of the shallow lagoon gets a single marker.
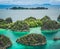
(14, 35)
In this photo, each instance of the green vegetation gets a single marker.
(4, 42)
(49, 25)
(45, 18)
(8, 20)
(5, 23)
(33, 22)
(15, 8)
(45, 23)
(2, 21)
(19, 26)
(32, 40)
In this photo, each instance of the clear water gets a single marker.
(15, 35)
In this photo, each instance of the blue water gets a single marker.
(15, 35)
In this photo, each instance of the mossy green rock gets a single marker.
(19, 26)
(45, 18)
(33, 22)
(4, 42)
(32, 40)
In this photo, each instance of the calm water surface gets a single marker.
(15, 35)
(22, 14)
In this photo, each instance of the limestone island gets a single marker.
(19, 26)
(32, 40)
(4, 42)
(33, 22)
(49, 26)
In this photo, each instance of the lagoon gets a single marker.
(15, 35)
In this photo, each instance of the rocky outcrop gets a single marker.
(32, 40)
(19, 26)
(45, 18)
(55, 39)
(4, 42)
(49, 25)
(33, 22)
(58, 19)
(8, 20)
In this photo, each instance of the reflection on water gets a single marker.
(14, 35)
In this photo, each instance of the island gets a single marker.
(38, 8)
(33, 22)
(5, 23)
(32, 40)
(49, 26)
(19, 26)
(46, 23)
(4, 42)
(56, 39)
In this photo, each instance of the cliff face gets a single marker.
(4, 42)
(32, 40)
(58, 19)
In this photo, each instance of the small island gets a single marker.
(49, 26)
(56, 39)
(4, 42)
(19, 26)
(32, 40)
(38, 8)
(33, 22)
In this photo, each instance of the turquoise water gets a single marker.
(15, 35)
